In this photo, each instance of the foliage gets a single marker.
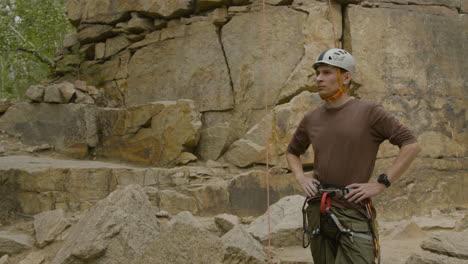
(30, 34)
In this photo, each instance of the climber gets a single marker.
(345, 134)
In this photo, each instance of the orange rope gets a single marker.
(330, 11)
(265, 90)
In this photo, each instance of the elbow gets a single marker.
(415, 148)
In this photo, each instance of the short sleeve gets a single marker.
(385, 126)
(300, 140)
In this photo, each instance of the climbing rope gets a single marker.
(267, 147)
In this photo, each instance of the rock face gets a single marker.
(119, 227)
(192, 64)
(142, 53)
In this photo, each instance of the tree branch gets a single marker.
(39, 56)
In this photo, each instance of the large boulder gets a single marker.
(183, 241)
(285, 223)
(242, 247)
(120, 227)
(193, 66)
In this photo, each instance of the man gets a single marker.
(345, 134)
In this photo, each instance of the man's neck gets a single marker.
(343, 99)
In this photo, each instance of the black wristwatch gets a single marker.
(383, 179)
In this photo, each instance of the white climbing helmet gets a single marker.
(336, 57)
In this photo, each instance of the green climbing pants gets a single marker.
(330, 246)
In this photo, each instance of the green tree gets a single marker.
(30, 33)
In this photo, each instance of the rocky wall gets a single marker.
(138, 54)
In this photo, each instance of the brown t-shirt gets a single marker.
(346, 139)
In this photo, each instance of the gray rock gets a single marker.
(452, 244)
(52, 94)
(48, 225)
(67, 90)
(121, 226)
(242, 247)
(285, 222)
(35, 93)
(184, 241)
(13, 244)
(226, 222)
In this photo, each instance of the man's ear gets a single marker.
(347, 78)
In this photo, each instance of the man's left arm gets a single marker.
(366, 190)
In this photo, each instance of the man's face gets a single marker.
(326, 80)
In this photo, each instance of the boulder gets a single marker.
(52, 94)
(122, 226)
(67, 91)
(205, 80)
(12, 243)
(452, 244)
(48, 225)
(183, 241)
(285, 223)
(242, 247)
(35, 93)
(226, 222)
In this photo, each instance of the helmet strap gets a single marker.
(340, 89)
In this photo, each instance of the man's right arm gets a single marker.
(306, 183)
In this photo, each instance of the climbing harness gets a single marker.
(327, 192)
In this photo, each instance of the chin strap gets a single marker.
(340, 91)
